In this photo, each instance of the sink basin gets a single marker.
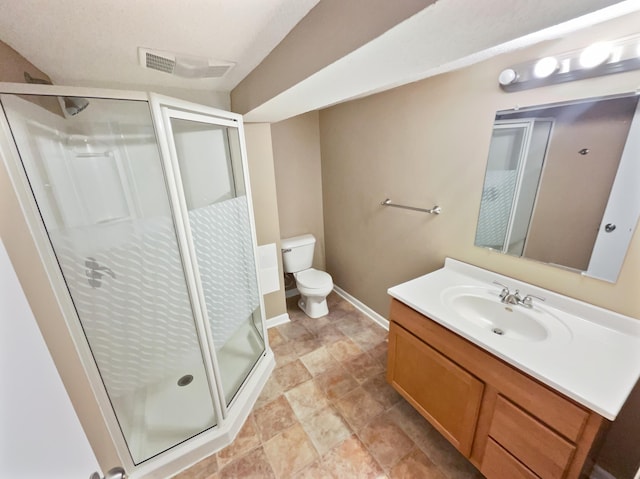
(483, 309)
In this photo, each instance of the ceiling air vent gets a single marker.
(185, 66)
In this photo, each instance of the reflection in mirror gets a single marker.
(561, 185)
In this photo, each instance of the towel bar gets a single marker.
(436, 210)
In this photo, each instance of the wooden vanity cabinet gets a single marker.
(508, 424)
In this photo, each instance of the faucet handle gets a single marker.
(527, 301)
(505, 290)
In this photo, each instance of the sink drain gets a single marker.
(185, 380)
(497, 331)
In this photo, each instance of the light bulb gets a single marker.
(508, 76)
(545, 67)
(595, 54)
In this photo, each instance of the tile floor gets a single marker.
(327, 412)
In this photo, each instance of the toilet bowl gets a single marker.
(312, 284)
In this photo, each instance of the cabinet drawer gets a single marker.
(542, 450)
(499, 464)
(444, 393)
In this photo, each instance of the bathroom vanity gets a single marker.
(523, 392)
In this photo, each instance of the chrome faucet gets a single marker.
(508, 297)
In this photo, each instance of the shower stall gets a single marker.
(140, 207)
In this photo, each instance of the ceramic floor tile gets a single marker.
(319, 361)
(363, 367)
(253, 465)
(416, 465)
(275, 338)
(351, 324)
(351, 460)
(369, 338)
(246, 440)
(285, 353)
(336, 382)
(291, 374)
(344, 350)
(358, 407)
(270, 391)
(307, 346)
(385, 441)
(294, 331)
(380, 352)
(205, 468)
(313, 325)
(326, 428)
(274, 417)
(290, 451)
(306, 398)
(329, 335)
(315, 471)
(333, 298)
(448, 459)
(381, 390)
(329, 384)
(339, 304)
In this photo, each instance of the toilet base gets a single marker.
(313, 306)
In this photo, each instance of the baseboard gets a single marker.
(277, 320)
(381, 320)
(289, 293)
(598, 473)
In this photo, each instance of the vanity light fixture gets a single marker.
(595, 54)
(600, 58)
(545, 66)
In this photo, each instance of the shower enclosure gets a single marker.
(141, 209)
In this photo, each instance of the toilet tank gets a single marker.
(297, 253)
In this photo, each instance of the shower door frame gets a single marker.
(61, 327)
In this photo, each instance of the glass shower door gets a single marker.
(99, 185)
(508, 145)
(208, 162)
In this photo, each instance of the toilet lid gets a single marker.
(312, 278)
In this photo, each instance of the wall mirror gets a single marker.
(562, 184)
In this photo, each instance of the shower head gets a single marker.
(72, 105)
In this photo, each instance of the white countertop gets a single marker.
(596, 364)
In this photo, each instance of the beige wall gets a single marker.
(323, 36)
(296, 152)
(34, 281)
(265, 206)
(567, 213)
(13, 66)
(427, 143)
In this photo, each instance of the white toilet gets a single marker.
(313, 285)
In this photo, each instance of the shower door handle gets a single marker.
(113, 473)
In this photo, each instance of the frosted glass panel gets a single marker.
(98, 181)
(220, 225)
(500, 183)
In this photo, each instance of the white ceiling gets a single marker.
(95, 42)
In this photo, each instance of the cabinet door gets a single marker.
(444, 393)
